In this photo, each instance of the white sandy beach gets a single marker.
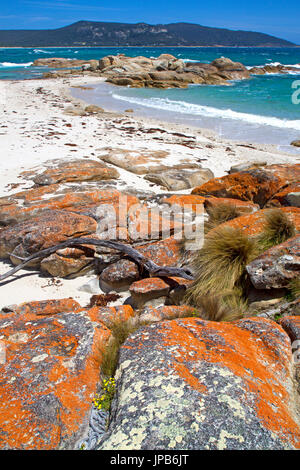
(34, 128)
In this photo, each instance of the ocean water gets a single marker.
(261, 109)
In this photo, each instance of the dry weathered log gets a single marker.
(153, 269)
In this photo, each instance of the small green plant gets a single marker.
(103, 401)
(221, 213)
(277, 316)
(277, 229)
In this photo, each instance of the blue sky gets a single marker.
(277, 17)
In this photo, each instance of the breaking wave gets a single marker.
(207, 111)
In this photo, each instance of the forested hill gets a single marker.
(90, 33)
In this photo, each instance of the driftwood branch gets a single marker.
(146, 264)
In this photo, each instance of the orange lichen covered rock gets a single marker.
(154, 288)
(290, 173)
(148, 223)
(288, 196)
(253, 224)
(164, 252)
(109, 315)
(242, 206)
(185, 201)
(75, 170)
(49, 375)
(85, 199)
(119, 275)
(165, 312)
(291, 325)
(256, 185)
(44, 307)
(41, 232)
(69, 262)
(197, 385)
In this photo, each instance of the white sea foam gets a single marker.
(12, 64)
(193, 60)
(275, 64)
(207, 111)
(41, 51)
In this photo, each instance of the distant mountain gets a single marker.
(91, 33)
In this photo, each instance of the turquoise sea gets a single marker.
(260, 109)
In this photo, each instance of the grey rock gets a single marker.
(177, 180)
(277, 266)
(293, 199)
(190, 385)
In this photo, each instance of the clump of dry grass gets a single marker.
(294, 288)
(220, 288)
(120, 332)
(277, 229)
(228, 307)
(220, 264)
(221, 213)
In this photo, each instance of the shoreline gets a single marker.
(38, 127)
(151, 113)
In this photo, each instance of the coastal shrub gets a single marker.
(277, 229)
(221, 213)
(220, 264)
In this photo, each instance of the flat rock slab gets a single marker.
(242, 206)
(45, 307)
(178, 180)
(191, 384)
(84, 198)
(49, 377)
(142, 162)
(185, 201)
(74, 170)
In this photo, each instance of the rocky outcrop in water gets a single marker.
(166, 71)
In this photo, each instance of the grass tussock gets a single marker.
(227, 307)
(277, 229)
(221, 213)
(220, 264)
(294, 288)
(120, 332)
(220, 289)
